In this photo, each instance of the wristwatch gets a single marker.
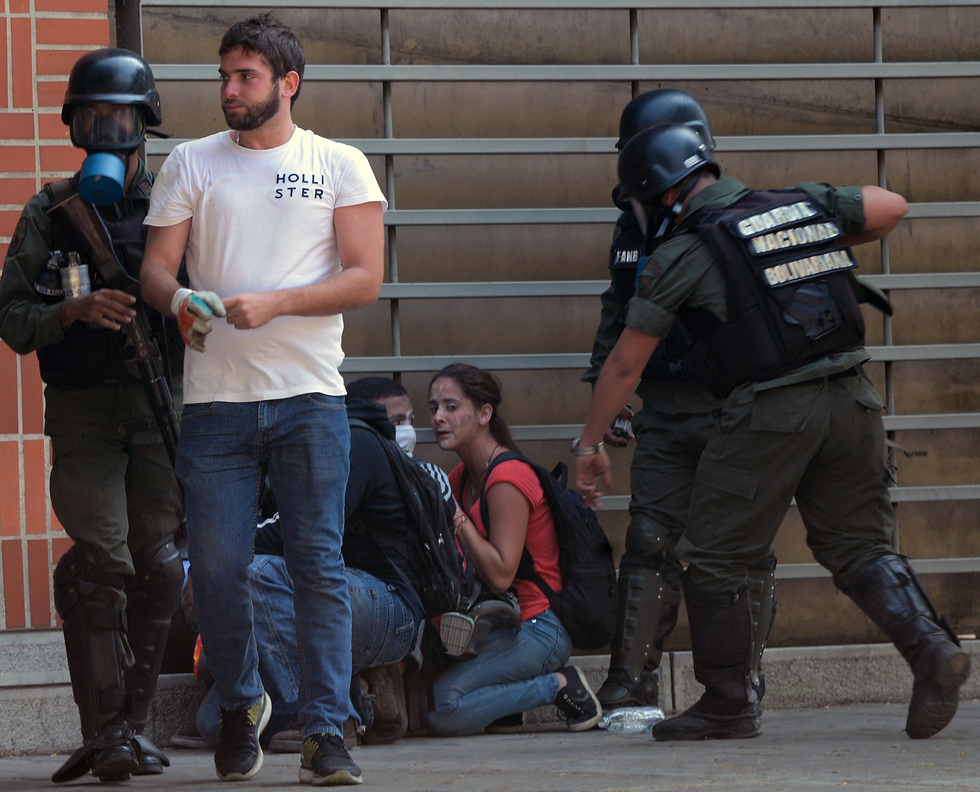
(580, 450)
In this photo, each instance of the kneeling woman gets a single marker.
(515, 670)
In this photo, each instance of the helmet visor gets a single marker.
(100, 126)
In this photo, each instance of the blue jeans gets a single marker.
(514, 672)
(383, 631)
(303, 443)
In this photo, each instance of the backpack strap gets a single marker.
(526, 569)
(361, 424)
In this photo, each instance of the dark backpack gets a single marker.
(433, 552)
(586, 604)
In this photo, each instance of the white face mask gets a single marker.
(405, 437)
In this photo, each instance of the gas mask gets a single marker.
(405, 437)
(108, 133)
(655, 219)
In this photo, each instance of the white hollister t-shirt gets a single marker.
(262, 221)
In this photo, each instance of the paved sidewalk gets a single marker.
(861, 747)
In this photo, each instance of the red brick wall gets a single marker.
(41, 40)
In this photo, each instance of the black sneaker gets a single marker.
(577, 702)
(326, 762)
(239, 755)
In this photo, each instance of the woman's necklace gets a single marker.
(475, 484)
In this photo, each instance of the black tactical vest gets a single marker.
(668, 363)
(788, 295)
(88, 356)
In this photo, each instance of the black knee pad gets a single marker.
(66, 593)
(154, 596)
(155, 588)
(78, 574)
(645, 542)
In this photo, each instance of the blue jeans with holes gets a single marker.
(383, 631)
(514, 672)
(225, 449)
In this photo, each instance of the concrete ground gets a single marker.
(861, 747)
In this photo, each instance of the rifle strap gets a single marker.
(84, 227)
(60, 191)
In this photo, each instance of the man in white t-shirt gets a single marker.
(282, 232)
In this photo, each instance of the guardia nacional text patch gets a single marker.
(777, 217)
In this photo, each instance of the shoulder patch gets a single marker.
(651, 268)
(644, 286)
(20, 233)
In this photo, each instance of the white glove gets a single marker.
(194, 310)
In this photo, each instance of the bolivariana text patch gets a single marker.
(808, 267)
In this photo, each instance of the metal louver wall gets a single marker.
(870, 115)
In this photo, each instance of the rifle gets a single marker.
(83, 226)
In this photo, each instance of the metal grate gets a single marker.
(389, 147)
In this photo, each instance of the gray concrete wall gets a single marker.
(40, 717)
(38, 713)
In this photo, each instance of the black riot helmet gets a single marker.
(651, 163)
(117, 77)
(659, 158)
(664, 106)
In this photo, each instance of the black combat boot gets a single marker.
(721, 646)
(153, 595)
(632, 678)
(94, 634)
(887, 590)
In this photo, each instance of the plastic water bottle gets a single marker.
(631, 720)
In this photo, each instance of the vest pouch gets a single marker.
(814, 310)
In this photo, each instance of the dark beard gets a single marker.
(255, 115)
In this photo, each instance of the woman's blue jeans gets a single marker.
(383, 631)
(303, 443)
(514, 672)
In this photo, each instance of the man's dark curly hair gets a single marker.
(266, 36)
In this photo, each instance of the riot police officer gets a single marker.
(671, 431)
(112, 485)
(759, 281)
